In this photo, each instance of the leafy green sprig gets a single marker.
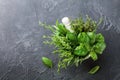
(75, 47)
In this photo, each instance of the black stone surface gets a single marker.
(21, 46)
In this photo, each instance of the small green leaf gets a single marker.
(94, 70)
(47, 62)
(71, 36)
(99, 47)
(81, 50)
(83, 38)
(87, 46)
(93, 56)
(91, 36)
(99, 38)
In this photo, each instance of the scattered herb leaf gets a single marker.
(94, 70)
(47, 62)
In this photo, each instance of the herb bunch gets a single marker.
(75, 41)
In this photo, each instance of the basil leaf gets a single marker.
(99, 38)
(81, 50)
(99, 47)
(94, 70)
(91, 36)
(93, 55)
(71, 36)
(87, 46)
(47, 62)
(83, 38)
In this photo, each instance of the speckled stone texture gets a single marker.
(21, 46)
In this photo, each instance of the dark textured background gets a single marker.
(21, 46)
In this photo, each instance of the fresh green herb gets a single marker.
(75, 41)
(93, 56)
(94, 70)
(47, 62)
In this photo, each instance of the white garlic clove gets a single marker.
(66, 22)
